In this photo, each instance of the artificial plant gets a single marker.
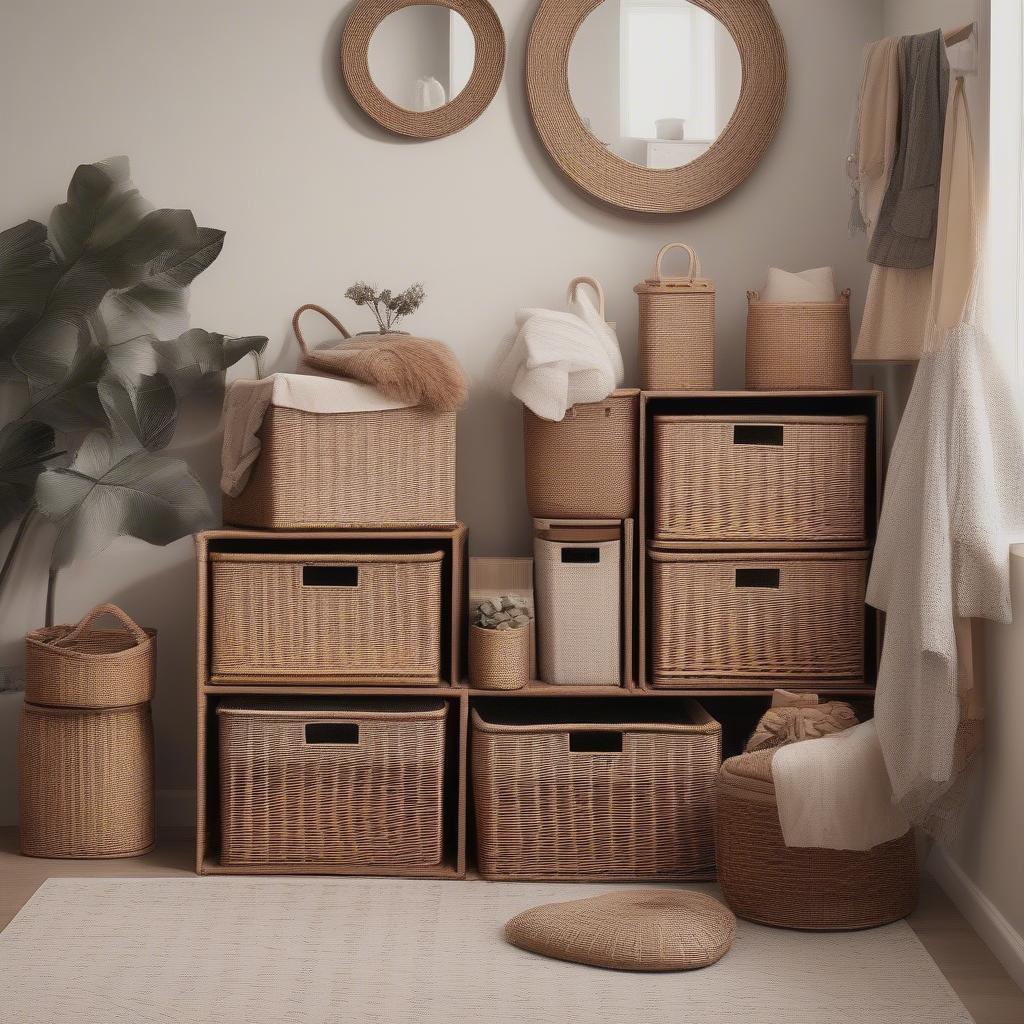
(93, 331)
(388, 307)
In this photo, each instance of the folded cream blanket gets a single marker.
(246, 403)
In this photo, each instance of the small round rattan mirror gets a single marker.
(659, 106)
(423, 68)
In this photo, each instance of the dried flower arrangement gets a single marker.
(508, 611)
(388, 309)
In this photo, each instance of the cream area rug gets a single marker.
(373, 951)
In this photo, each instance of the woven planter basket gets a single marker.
(584, 466)
(760, 478)
(86, 781)
(676, 338)
(81, 667)
(764, 880)
(346, 782)
(798, 346)
(499, 659)
(361, 618)
(627, 795)
(757, 617)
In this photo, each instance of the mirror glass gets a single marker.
(655, 81)
(421, 57)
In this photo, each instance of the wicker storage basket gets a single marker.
(358, 618)
(81, 667)
(757, 617)
(499, 659)
(766, 881)
(676, 338)
(389, 468)
(578, 591)
(625, 792)
(760, 478)
(345, 782)
(86, 781)
(584, 466)
(794, 346)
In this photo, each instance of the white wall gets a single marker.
(410, 44)
(237, 110)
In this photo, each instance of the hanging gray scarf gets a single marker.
(905, 235)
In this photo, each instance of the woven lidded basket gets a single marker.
(82, 667)
(798, 346)
(623, 792)
(757, 618)
(676, 337)
(760, 478)
(346, 782)
(499, 659)
(584, 466)
(86, 781)
(361, 618)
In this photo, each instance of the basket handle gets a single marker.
(595, 284)
(130, 625)
(693, 270)
(334, 321)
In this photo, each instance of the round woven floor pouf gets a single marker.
(640, 930)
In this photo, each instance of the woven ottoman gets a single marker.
(764, 880)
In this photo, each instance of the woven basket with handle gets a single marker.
(676, 336)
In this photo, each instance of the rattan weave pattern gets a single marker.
(499, 659)
(709, 486)
(793, 346)
(544, 811)
(706, 622)
(388, 468)
(384, 622)
(374, 801)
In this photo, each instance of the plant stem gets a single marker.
(51, 593)
(19, 535)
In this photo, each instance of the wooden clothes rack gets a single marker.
(958, 35)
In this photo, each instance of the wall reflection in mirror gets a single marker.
(421, 57)
(655, 81)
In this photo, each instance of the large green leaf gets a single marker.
(28, 272)
(25, 448)
(112, 491)
(143, 411)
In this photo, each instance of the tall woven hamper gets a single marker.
(85, 744)
(578, 588)
(676, 337)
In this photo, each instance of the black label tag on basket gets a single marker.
(763, 578)
(584, 742)
(586, 555)
(753, 433)
(332, 732)
(330, 576)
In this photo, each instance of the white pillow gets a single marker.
(817, 285)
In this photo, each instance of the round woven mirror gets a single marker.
(423, 68)
(659, 106)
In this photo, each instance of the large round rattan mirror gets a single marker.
(659, 106)
(423, 68)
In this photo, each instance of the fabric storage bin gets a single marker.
(584, 466)
(676, 338)
(793, 346)
(623, 792)
(86, 781)
(352, 617)
(578, 592)
(760, 478)
(747, 616)
(345, 782)
(385, 468)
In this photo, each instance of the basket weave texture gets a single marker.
(799, 616)
(382, 619)
(370, 794)
(387, 468)
(765, 881)
(584, 466)
(766, 478)
(499, 659)
(547, 811)
(794, 346)
(86, 781)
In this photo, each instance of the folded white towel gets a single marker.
(246, 403)
(834, 792)
(817, 285)
(560, 359)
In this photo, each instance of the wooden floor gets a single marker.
(972, 970)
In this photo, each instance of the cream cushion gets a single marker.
(817, 285)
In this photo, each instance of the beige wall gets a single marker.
(237, 110)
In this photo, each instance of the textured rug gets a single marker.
(372, 951)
